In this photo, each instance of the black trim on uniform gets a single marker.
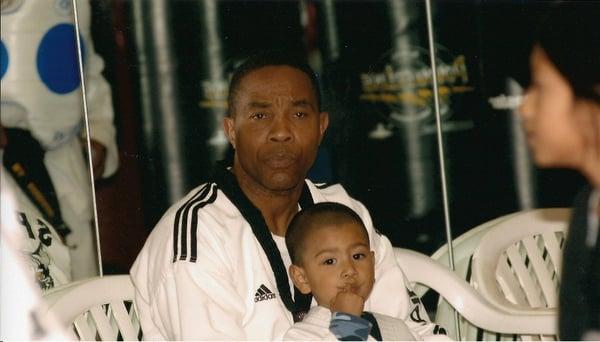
(322, 186)
(229, 185)
(375, 332)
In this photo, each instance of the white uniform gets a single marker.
(23, 312)
(202, 274)
(41, 93)
(40, 245)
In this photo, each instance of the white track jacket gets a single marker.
(202, 274)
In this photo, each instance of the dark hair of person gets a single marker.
(271, 58)
(570, 37)
(317, 216)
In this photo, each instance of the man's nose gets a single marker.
(281, 130)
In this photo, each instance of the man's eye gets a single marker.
(358, 256)
(300, 114)
(258, 115)
(329, 262)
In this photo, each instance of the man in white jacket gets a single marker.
(214, 266)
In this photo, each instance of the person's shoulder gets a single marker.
(182, 213)
(203, 216)
(330, 191)
(335, 192)
(205, 200)
(199, 197)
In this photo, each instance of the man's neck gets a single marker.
(277, 207)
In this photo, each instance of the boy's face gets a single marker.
(334, 259)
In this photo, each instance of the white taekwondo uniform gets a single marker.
(39, 244)
(202, 273)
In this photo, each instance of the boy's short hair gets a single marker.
(319, 215)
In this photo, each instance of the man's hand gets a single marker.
(347, 301)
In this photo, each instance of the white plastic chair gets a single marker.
(517, 265)
(98, 308)
(463, 247)
(103, 309)
(421, 269)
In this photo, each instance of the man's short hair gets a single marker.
(270, 58)
(317, 216)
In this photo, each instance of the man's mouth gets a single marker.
(280, 160)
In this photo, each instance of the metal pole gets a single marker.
(87, 131)
(441, 154)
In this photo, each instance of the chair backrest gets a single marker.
(463, 247)
(421, 269)
(518, 262)
(99, 309)
(517, 265)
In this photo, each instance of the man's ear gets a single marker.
(323, 124)
(229, 129)
(299, 279)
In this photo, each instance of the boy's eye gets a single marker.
(358, 256)
(329, 261)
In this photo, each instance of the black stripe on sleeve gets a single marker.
(194, 225)
(177, 222)
(184, 222)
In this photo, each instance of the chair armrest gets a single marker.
(421, 269)
(71, 300)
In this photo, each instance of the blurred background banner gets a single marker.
(169, 64)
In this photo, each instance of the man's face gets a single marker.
(275, 128)
(334, 259)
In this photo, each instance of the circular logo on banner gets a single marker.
(10, 6)
(57, 59)
(3, 59)
(402, 81)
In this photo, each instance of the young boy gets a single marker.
(332, 259)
